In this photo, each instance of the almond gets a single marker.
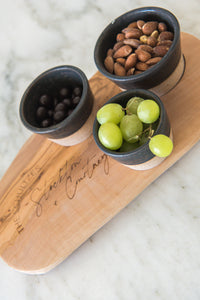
(133, 33)
(130, 72)
(130, 61)
(118, 45)
(162, 27)
(166, 35)
(120, 37)
(110, 52)
(137, 72)
(119, 70)
(149, 27)
(146, 48)
(109, 64)
(151, 41)
(140, 23)
(132, 42)
(164, 43)
(153, 61)
(121, 60)
(141, 66)
(133, 25)
(127, 29)
(160, 50)
(123, 51)
(142, 55)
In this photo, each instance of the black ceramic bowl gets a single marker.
(161, 77)
(74, 128)
(141, 158)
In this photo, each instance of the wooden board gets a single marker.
(53, 198)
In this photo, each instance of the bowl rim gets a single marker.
(153, 69)
(67, 120)
(134, 92)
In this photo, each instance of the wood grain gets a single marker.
(53, 198)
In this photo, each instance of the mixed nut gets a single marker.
(138, 47)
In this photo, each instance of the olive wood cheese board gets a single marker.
(53, 198)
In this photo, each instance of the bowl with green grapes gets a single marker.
(133, 128)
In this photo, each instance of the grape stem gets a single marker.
(151, 132)
(138, 136)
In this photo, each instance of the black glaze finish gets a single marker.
(48, 82)
(158, 73)
(141, 154)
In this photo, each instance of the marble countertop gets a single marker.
(150, 250)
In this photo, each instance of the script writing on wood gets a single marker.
(35, 189)
(70, 176)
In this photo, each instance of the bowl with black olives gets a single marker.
(59, 105)
(134, 129)
(141, 49)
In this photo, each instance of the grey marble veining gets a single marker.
(151, 249)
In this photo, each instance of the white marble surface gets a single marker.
(151, 250)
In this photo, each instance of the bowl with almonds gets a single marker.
(141, 49)
(58, 104)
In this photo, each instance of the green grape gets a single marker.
(132, 105)
(148, 111)
(161, 145)
(111, 112)
(126, 147)
(131, 127)
(110, 136)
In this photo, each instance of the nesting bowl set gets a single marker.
(150, 84)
